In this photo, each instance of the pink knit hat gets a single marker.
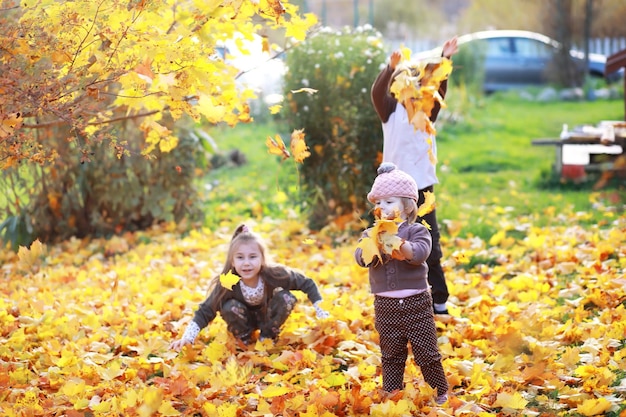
(391, 182)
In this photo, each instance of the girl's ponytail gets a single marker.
(242, 228)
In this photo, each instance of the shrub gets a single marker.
(339, 121)
(98, 194)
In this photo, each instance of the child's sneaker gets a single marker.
(441, 399)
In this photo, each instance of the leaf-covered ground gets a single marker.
(537, 327)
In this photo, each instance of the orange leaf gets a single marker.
(428, 205)
(9, 123)
(299, 150)
(277, 147)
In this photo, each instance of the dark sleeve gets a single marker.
(384, 103)
(443, 89)
(299, 282)
(358, 252)
(207, 310)
(420, 240)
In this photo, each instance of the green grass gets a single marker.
(487, 163)
(489, 171)
(264, 186)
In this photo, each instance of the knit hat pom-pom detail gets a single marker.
(386, 167)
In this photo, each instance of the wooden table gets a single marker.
(579, 138)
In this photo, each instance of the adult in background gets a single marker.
(410, 150)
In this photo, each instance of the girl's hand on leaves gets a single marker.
(320, 313)
(177, 345)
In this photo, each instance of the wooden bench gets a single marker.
(593, 155)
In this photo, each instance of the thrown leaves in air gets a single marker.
(299, 149)
(228, 280)
(428, 205)
(307, 90)
(417, 88)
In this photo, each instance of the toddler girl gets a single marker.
(403, 305)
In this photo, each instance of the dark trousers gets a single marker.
(403, 320)
(242, 320)
(436, 277)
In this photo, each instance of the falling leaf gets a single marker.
(299, 149)
(275, 109)
(428, 205)
(513, 401)
(228, 280)
(417, 89)
(307, 90)
(277, 147)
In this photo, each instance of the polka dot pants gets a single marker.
(403, 320)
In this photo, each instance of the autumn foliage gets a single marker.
(537, 327)
(87, 65)
(99, 101)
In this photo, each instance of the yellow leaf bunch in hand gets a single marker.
(382, 239)
(417, 88)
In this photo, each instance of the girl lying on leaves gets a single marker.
(259, 300)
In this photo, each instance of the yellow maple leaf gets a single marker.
(298, 26)
(428, 205)
(167, 409)
(152, 399)
(276, 146)
(275, 109)
(513, 401)
(30, 258)
(228, 280)
(406, 53)
(275, 391)
(594, 407)
(382, 238)
(369, 250)
(299, 149)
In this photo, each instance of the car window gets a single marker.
(499, 47)
(531, 48)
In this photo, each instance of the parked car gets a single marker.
(517, 58)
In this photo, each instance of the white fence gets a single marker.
(604, 46)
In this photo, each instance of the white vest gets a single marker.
(409, 148)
